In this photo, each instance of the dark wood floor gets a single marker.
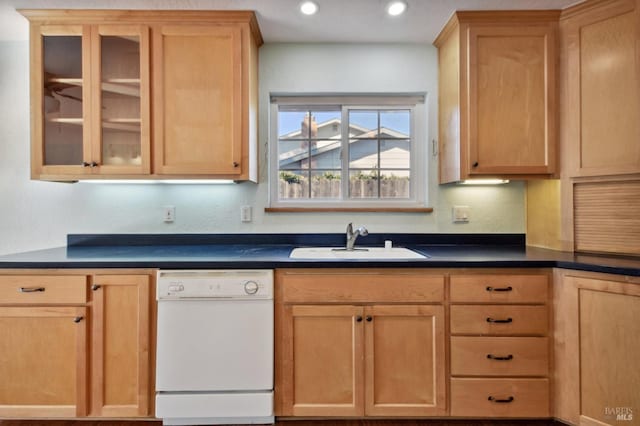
(430, 422)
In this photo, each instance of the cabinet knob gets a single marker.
(502, 401)
(78, 319)
(359, 318)
(235, 164)
(95, 287)
(369, 318)
(475, 164)
(94, 164)
(85, 164)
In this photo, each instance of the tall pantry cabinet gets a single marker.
(143, 94)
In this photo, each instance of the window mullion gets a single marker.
(344, 136)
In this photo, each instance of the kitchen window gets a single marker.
(347, 152)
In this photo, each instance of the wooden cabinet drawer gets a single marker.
(500, 397)
(499, 356)
(499, 288)
(38, 289)
(499, 320)
(342, 285)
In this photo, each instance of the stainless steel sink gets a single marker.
(379, 253)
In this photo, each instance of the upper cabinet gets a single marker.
(96, 74)
(497, 95)
(600, 81)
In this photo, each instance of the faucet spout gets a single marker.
(353, 235)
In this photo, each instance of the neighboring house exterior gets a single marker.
(326, 148)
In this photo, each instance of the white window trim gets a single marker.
(419, 162)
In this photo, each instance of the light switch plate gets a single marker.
(460, 214)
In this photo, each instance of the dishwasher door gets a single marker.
(214, 345)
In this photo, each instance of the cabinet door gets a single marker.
(43, 362)
(405, 363)
(609, 347)
(323, 355)
(597, 341)
(120, 346)
(197, 100)
(512, 100)
(601, 100)
(120, 111)
(60, 106)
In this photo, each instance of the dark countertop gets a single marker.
(245, 251)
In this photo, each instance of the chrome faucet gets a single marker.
(352, 236)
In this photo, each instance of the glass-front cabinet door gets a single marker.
(120, 105)
(92, 117)
(60, 129)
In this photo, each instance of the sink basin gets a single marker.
(358, 253)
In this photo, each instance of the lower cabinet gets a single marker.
(43, 361)
(500, 349)
(120, 345)
(342, 352)
(597, 342)
(75, 344)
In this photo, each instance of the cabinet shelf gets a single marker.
(121, 86)
(122, 124)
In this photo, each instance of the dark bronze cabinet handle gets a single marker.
(359, 318)
(94, 164)
(85, 164)
(78, 319)
(499, 321)
(30, 289)
(475, 164)
(235, 164)
(95, 287)
(500, 358)
(369, 318)
(501, 401)
(489, 288)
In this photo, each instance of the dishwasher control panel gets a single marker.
(215, 284)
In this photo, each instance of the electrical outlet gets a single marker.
(169, 214)
(460, 214)
(245, 213)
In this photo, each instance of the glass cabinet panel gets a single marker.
(62, 100)
(120, 108)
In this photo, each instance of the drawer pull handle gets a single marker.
(501, 401)
(500, 358)
(30, 289)
(499, 321)
(95, 287)
(359, 318)
(489, 288)
(78, 319)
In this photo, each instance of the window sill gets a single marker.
(349, 209)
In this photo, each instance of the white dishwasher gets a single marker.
(214, 356)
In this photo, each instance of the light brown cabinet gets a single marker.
(75, 344)
(600, 81)
(498, 95)
(120, 346)
(342, 351)
(90, 100)
(597, 339)
(95, 75)
(500, 349)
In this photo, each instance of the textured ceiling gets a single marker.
(354, 21)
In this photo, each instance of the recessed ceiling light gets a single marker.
(396, 8)
(308, 7)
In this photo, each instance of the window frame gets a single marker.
(415, 103)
